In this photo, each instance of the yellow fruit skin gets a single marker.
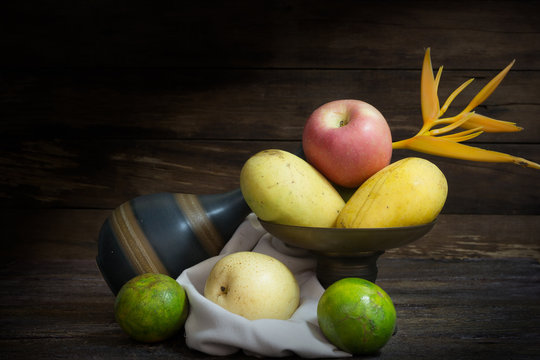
(411, 191)
(281, 187)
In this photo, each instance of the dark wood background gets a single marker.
(101, 102)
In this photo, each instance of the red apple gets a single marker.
(347, 141)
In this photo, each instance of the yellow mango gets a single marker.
(281, 187)
(411, 191)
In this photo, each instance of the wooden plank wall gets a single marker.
(101, 102)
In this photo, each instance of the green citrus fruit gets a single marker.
(356, 315)
(151, 307)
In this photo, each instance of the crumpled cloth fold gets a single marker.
(213, 330)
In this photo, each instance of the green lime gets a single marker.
(356, 315)
(151, 307)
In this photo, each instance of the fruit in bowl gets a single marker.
(347, 141)
(283, 188)
(409, 192)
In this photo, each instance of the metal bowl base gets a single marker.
(332, 267)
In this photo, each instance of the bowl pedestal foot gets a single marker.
(332, 267)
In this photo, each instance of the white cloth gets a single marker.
(216, 331)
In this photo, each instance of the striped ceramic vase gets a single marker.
(166, 233)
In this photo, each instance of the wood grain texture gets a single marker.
(467, 302)
(448, 310)
(93, 130)
(101, 102)
(106, 173)
(303, 34)
(450, 302)
(241, 104)
(476, 237)
(59, 234)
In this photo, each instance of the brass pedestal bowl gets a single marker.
(346, 252)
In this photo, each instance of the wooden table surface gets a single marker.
(104, 102)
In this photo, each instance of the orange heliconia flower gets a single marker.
(435, 139)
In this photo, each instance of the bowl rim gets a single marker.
(346, 241)
(390, 228)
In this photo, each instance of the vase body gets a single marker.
(166, 233)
